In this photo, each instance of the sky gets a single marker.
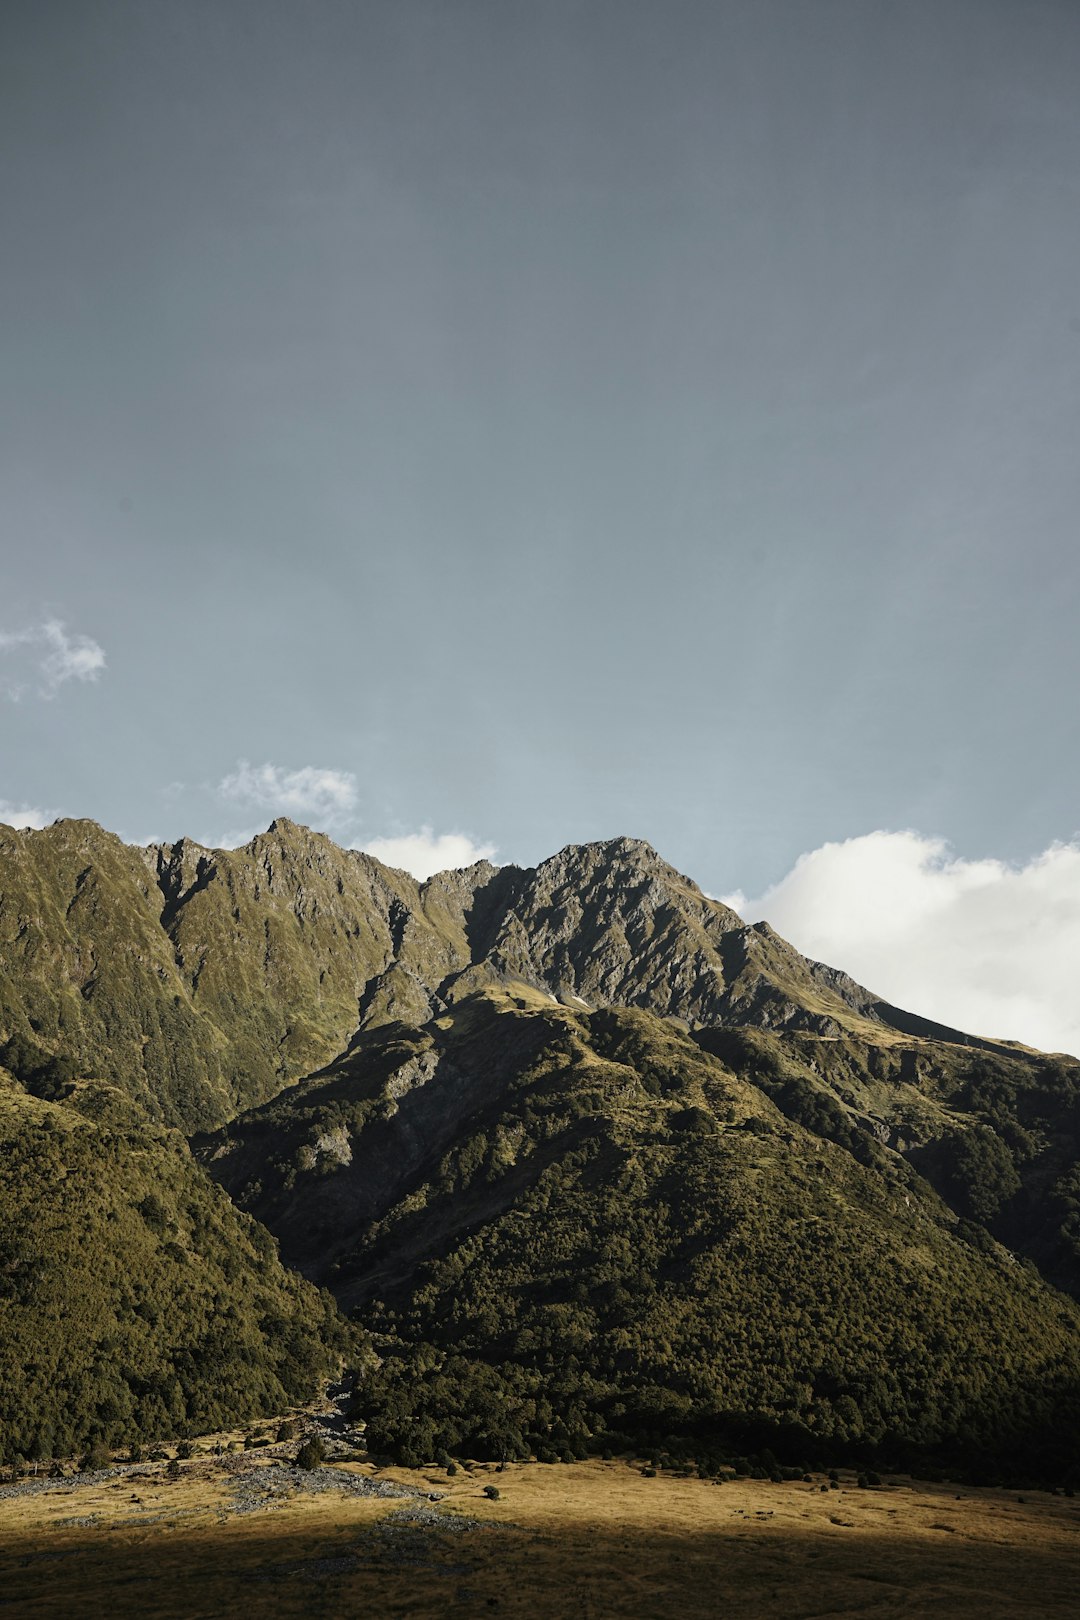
(483, 426)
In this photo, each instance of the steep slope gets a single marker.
(563, 1224)
(613, 924)
(201, 981)
(204, 981)
(88, 979)
(135, 1302)
(995, 1131)
(289, 945)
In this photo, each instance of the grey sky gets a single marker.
(569, 419)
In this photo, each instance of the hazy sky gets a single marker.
(538, 421)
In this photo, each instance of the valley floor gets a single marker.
(248, 1535)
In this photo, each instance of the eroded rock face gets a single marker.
(333, 1145)
(614, 924)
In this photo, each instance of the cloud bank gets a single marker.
(425, 852)
(23, 815)
(57, 654)
(984, 946)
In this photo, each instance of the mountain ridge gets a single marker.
(261, 963)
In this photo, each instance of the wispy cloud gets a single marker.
(329, 799)
(312, 793)
(978, 944)
(51, 655)
(425, 852)
(24, 815)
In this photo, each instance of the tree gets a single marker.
(311, 1453)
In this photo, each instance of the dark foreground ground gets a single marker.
(240, 1535)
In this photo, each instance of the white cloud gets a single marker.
(311, 793)
(57, 654)
(73, 657)
(986, 947)
(329, 799)
(23, 815)
(425, 852)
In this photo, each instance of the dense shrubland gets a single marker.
(135, 1302)
(629, 1245)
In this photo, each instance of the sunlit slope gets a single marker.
(201, 981)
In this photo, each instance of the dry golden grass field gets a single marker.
(593, 1539)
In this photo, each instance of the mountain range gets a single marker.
(558, 1158)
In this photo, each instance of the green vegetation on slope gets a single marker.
(202, 981)
(135, 1301)
(996, 1134)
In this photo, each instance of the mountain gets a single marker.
(201, 981)
(585, 1153)
(204, 981)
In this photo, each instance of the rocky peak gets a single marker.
(284, 827)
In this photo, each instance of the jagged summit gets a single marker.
(285, 827)
(206, 979)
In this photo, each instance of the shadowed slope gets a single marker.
(562, 1223)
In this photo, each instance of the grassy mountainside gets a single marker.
(88, 980)
(135, 1301)
(291, 944)
(995, 1132)
(202, 981)
(564, 1225)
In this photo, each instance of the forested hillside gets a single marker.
(136, 1302)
